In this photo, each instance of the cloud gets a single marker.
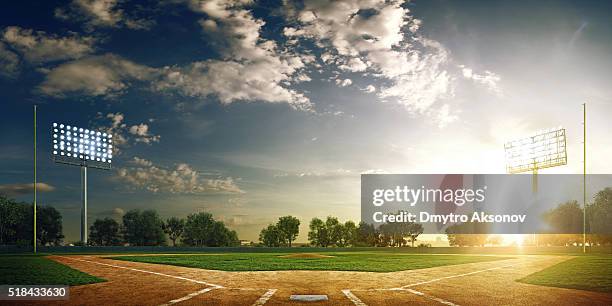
(40, 47)
(104, 75)
(9, 63)
(354, 64)
(487, 78)
(443, 116)
(344, 83)
(102, 14)
(141, 131)
(370, 88)
(13, 190)
(252, 68)
(318, 174)
(123, 134)
(181, 179)
(381, 38)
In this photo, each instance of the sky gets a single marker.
(252, 110)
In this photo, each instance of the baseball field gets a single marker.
(372, 277)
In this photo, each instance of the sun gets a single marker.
(513, 239)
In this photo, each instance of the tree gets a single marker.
(104, 232)
(143, 228)
(366, 234)
(335, 229)
(16, 223)
(197, 229)
(413, 231)
(393, 234)
(289, 228)
(270, 236)
(565, 218)
(600, 214)
(463, 235)
(174, 227)
(349, 234)
(318, 234)
(9, 218)
(202, 230)
(332, 232)
(49, 229)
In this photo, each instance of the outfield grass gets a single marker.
(371, 262)
(592, 273)
(38, 270)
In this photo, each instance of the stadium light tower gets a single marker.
(85, 148)
(545, 149)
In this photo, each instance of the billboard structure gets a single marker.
(84, 148)
(544, 149)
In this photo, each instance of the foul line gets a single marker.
(353, 298)
(451, 276)
(149, 272)
(358, 302)
(189, 296)
(265, 297)
(433, 298)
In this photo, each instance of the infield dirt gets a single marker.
(483, 283)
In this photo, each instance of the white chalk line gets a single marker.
(353, 298)
(358, 302)
(433, 298)
(145, 271)
(454, 276)
(265, 297)
(189, 296)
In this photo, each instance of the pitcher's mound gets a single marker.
(306, 255)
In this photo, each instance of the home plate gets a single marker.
(308, 297)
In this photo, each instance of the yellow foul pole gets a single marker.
(35, 183)
(584, 178)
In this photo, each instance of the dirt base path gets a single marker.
(485, 283)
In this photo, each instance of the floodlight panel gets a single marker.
(81, 146)
(545, 149)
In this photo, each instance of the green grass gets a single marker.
(37, 270)
(371, 262)
(593, 273)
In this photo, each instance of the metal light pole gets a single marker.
(84, 207)
(84, 148)
(545, 149)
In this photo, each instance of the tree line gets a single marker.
(17, 228)
(565, 218)
(333, 233)
(147, 228)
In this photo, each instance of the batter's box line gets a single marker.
(189, 296)
(358, 302)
